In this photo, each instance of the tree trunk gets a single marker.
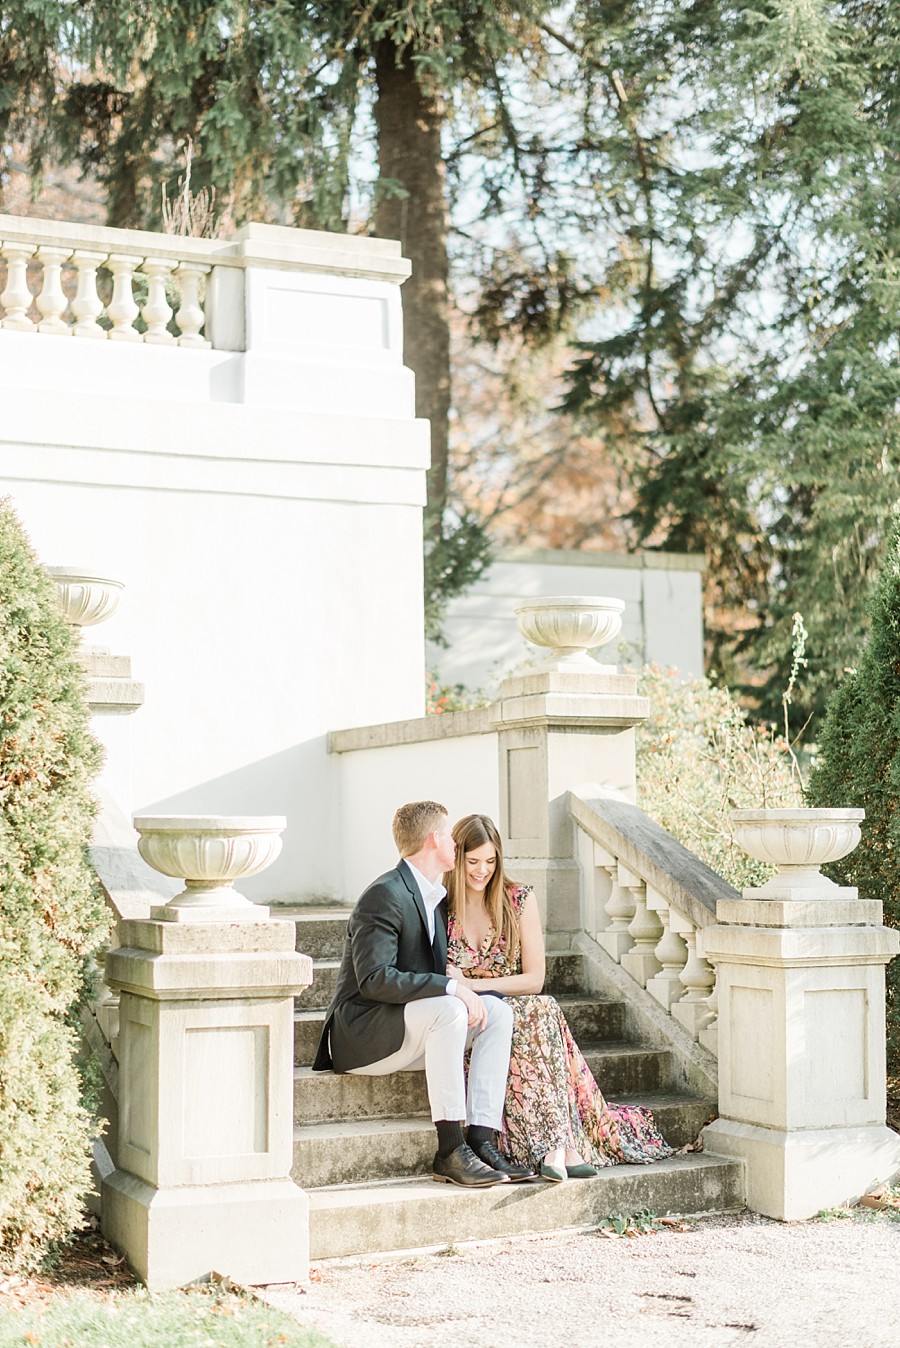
(409, 121)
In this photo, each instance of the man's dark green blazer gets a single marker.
(388, 960)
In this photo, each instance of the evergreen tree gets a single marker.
(859, 763)
(52, 917)
(706, 194)
(272, 97)
(750, 346)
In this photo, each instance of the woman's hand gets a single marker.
(473, 983)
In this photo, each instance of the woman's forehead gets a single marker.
(486, 852)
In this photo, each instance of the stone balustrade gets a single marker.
(139, 287)
(80, 281)
(647, 902)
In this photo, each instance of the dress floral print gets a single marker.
(552, 1099)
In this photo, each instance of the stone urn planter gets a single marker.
(84, 598)
(798, 842)
(570, 626)
(210, 852)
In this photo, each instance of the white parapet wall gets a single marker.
(663, 610)
(450, 758)
(227, 427)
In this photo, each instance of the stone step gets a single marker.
(619, 1068)
(371, 1149)
(414, 1214)
(590, 1019)
(565, 975)
(320, 1097)
(320, 931)
(321, 990)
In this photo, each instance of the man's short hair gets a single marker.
(413, 823)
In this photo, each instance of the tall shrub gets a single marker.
(859, 763)
(51, 913)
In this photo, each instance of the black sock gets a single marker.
(475, 1135)
(450, 1135)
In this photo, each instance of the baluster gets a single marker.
(87, 305)
(709, 1030)
(602, 864)
(697, 978)
(617, 940)
(190, 317)
(16, 298)
(157, 311)
(671, 952)
(106, 1007)
(51, 302)
(122, 309)
(646, 929)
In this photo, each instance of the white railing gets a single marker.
(79, 281)
(135, 286)
(647, 902)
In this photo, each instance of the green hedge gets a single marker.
(52, 916)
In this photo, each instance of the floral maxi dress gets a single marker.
(552, 1099)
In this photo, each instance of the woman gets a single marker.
(555, 1117)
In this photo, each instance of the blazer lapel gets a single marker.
(439, 944)
(410, 881)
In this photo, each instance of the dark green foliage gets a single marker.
(859, 763)
(51, 913)
(749, 349)
(44, 1128)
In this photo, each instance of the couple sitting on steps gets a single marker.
(430, 973)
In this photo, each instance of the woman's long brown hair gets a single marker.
(469, 833)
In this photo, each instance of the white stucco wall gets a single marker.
(461, 773)
(663, 620)
(263, 508)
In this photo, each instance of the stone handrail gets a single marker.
(650, 903)
(51, 284)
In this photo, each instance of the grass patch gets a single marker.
(201, 1317)
(882, 1205)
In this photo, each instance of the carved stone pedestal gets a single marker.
(558, 729)
(801, 1048)
(205, 1123)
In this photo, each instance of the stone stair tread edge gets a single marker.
(604, 1048)
(404, 1215)
(377, 1127)
(407, 1189)
(385, 1123)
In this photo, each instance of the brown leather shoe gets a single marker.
(463, 1167)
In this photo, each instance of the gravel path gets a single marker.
(727, 1280)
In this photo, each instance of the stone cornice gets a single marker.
(420, 730)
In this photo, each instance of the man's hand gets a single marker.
(474, 1005)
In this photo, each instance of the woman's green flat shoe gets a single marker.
(552, 1173)
(581, 1171)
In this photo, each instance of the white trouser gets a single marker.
(436, 1038)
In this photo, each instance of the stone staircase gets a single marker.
(363, 1145)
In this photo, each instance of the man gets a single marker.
(395, 1009)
